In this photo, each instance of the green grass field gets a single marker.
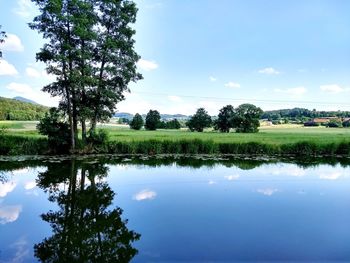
(277, 135)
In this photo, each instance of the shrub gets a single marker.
(57, 130)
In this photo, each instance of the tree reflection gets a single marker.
(84, 228)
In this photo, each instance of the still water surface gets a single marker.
(164, 211)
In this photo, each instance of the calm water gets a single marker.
(173, 211)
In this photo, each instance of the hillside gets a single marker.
(13, 109)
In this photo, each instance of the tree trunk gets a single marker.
(83, 131)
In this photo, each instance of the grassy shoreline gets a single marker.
(37, 145)
(270, 141)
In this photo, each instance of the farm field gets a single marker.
(277, 135)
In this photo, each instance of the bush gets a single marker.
(99, 138)
(334, 124)
(57, 131)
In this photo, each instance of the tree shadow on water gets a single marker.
(84, 228)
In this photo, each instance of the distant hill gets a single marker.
(129, 116)
(14, 109)
(25, 100)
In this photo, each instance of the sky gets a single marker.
(210, 53)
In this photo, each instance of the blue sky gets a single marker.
(210, 53)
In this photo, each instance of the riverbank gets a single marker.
(25, 144)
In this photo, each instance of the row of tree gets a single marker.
(244, 118)
(153, 121)
(300, 113)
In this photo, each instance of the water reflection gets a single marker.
(85, 228)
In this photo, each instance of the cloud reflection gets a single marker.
(267, 191)
(145, 194)
(6, 188)
(232, 177)
(9, 214)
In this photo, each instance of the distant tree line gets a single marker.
(153, 121)
(244, 118)
(300, 113)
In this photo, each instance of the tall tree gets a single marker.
(115, 57)
(91, 52)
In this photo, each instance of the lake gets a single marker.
(120, 209)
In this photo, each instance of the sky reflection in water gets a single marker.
(275, 211)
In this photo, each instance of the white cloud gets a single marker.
(32, 72)
(331, 175)
(29, 185)
(332, 88)
(9, 214)
(12, 43)
(19, 88)
(212, 79)
(24, 90)
(7, 69)
(295, 92)
(20, 171)
(6, 188)
(267, 191)
(35, 73)
(211, 182)
(24, 8)
(174, 98)
(145, 195)
(269, 71)
(232, 85)
(147, 65)
(22, 249)
(232, 177)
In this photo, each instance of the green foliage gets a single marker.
(99, 138)
(334, 124)
(137, 122)
(56, 129)
(246, 118)
(152, 120)
(11, 109)
(199, 121)
(346, 124)
(171, 125)
(224, 122)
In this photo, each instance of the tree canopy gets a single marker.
(152, 120)
(224, 122)
(137, 122)
(91, 52)
(246, 118)
(200, 120)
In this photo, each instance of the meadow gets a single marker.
(271, 140)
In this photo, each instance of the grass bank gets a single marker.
(281, 141)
